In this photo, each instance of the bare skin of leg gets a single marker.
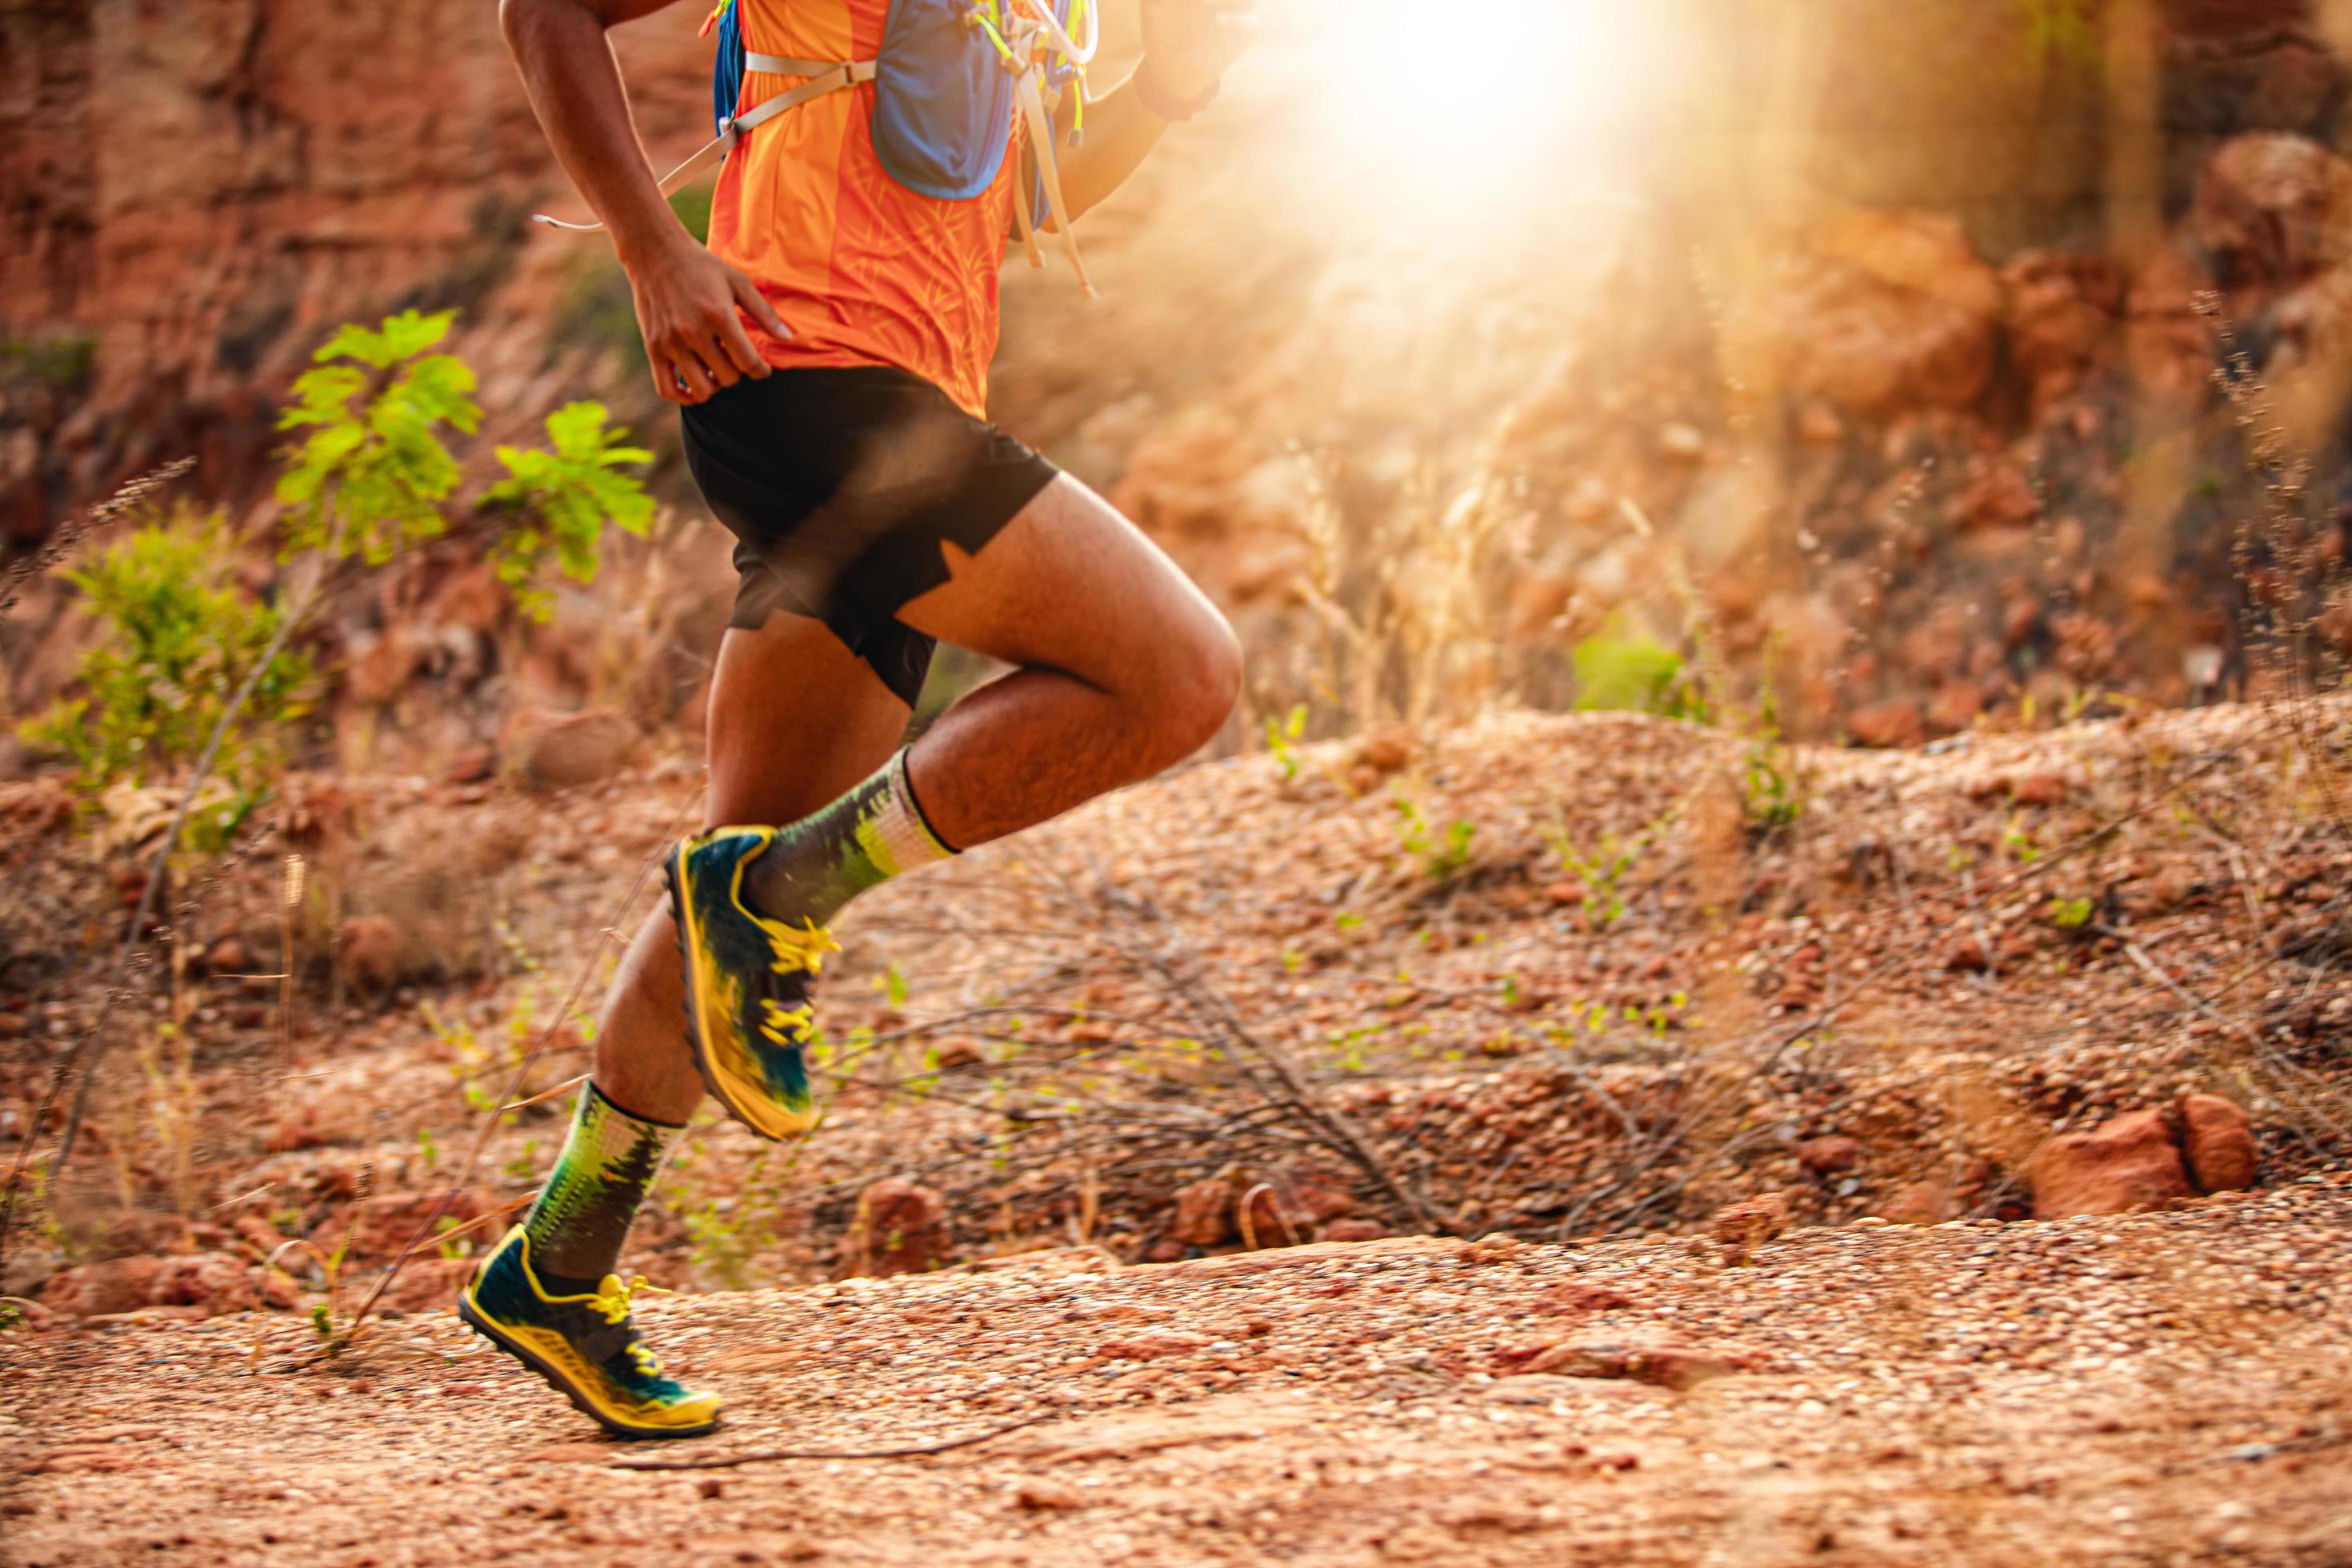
(796, 719)
(1123, 667)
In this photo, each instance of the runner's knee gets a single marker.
(1197, 685)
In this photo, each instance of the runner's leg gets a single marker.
(796, 719)
(1124, 667)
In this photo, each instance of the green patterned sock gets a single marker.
(821, 862)
(584, 1213)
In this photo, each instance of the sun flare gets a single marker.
(1465, 95)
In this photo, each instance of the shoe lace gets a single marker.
(799, 950)
(611, 1302)
(786, 1026)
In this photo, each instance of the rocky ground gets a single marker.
(2158, 1389)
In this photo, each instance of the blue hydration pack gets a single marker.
(949, 79)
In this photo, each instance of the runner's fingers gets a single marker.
(748, 295)
(692, 383)
(730, 348)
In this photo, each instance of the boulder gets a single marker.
(1892, 724)
(901, 1228)
(2130, 1162)
(210, 1282)
(2063, 313)
(2273, 210)
(2219, 1143)
(1831, 1156)
(1883, 312)
(1204, 1213)
(577, 749)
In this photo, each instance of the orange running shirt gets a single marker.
(863, 270)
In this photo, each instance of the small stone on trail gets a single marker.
(1829, 1156)
(1039, 1495)
(2219, 1142)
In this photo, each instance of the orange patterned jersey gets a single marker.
(863, 270)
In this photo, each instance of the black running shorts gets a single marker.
(840, 485)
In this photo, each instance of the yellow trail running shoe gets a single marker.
(747, 980)
(586, 1346)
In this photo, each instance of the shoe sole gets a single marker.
(678, 925)
(562, 1385)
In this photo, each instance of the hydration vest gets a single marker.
(949, 79)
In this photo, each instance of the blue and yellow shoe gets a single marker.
(746, 979)
(585, 1346)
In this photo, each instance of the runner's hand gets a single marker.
(687, 304)
(1190, 42)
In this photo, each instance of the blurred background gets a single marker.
(1531, 351)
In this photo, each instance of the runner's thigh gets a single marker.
(1070, 585)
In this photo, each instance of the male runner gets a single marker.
(830, 348)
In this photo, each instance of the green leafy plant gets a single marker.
(566, 493)
(179, 635)
(2070, 914)
(1634, 675)
(1771, 789)
(373, 474)
(1282, 738)
(1441, 854)
(1602, 873)
(372, 478)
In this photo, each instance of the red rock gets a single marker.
(2064, 314)
(1038, 1495)
(1918, 1203)
(374, 951)
(1744, 1226)
(117, 1285)
(208, 1282)
(1355, 1230)
(1204, 1213)
(2039, 789)
(1882, 310)
(1387, 749)
(1583, 1296)
(1663, 1361)
(229, 955)
(1829, 1156)
(2219, 1143)
(472, 765)
(2271, 207)
(901, 1228)
(1895, 723)
(577, 749)
(1151, 1345)
(1998, 496)
(2130, 1162)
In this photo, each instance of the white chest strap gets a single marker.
(823, 78)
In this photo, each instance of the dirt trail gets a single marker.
(2155, 1389)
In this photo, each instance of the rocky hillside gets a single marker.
(1860, 353)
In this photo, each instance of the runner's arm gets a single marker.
(687, 298)
(1187, 45)
(1121, 133)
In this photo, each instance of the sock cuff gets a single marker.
(901, 836)
(599, 1109)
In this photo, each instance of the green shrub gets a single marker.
(1632, 674)
(372, 474)
(180, 636)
